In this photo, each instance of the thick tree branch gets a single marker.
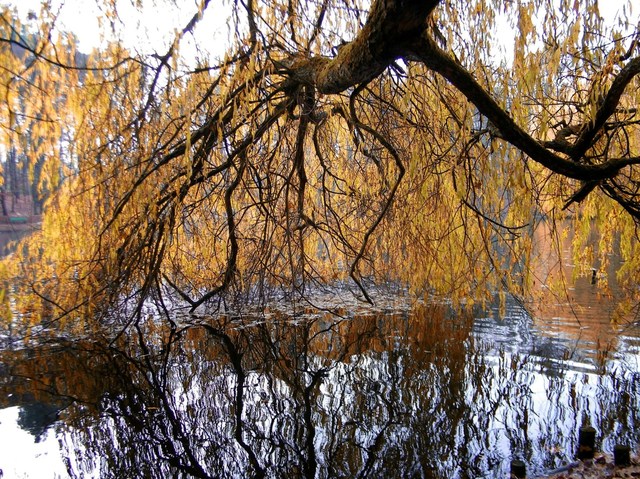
(560, 142)
(427, 52)
(391, 25)
(608, 108)
(582, 193)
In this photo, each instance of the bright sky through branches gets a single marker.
(147, 30)
(154, 25)
(152, 28)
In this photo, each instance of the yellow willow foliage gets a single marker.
(268, 169)
(34, 109)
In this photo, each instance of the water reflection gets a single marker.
(589, 307)
(417, 394)
(10, 235)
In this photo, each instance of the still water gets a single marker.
(408, 392)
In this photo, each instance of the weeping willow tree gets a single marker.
(325, 142)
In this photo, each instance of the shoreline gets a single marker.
(600, 467)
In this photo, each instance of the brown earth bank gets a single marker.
(601, 467)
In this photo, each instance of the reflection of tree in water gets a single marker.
(37, 417)
(406, 395)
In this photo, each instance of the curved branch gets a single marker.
(230, 270)
(231, 267)
(608, 108)
(208, 132)
(427, 51)
(390, 27)
(318, 24)
(629, 206)
(401, 170)
(307, 105)
(251, 19)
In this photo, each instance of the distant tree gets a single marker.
(32, 110)
(412, 141)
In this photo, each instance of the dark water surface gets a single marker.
(415, 393)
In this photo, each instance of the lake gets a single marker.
(411, 392)
(400, 390)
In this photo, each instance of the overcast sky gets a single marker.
(146, 31)
(157, 24)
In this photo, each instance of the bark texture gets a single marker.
(398, 29)
(391, 27)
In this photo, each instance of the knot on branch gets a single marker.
(301, 69)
